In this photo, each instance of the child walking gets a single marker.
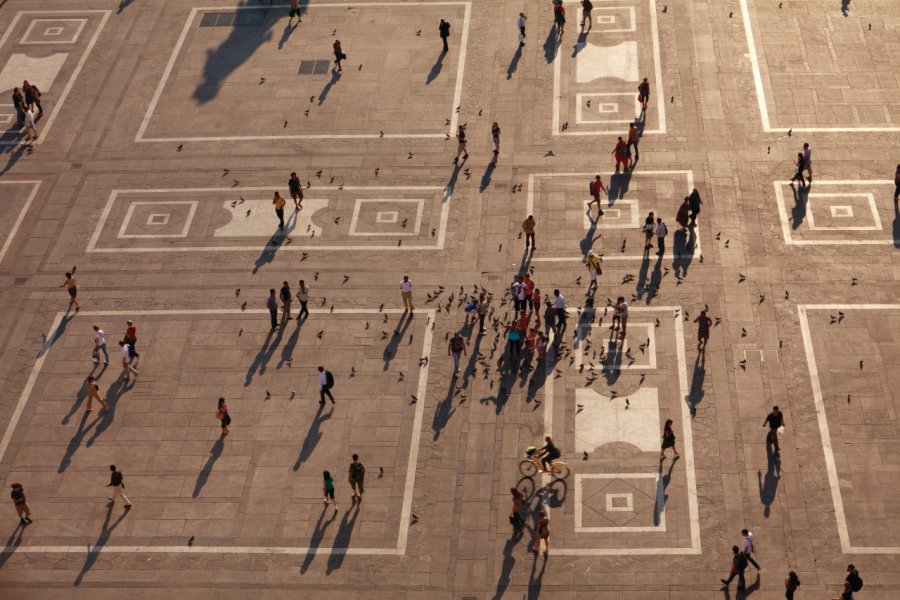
(328, 489)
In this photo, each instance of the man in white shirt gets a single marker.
(324, 386)
(100, 346)
(559, 303)
(748, 548)
(620, 315)
(406, 293)
(127, 369)
(521, 25)
(661, 232)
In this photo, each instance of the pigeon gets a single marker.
(627, 403)
(743, 332)
(225, 172)
(376, 171)
(840, 316)
(762, 298)
(565, 126)
(248, 212)
(848, 398)
(410, 155)
(786, 295)
(293, 393)
(320, 334)
(727, 242)
(414, 519)
(860, 365)
(190, 541)
(414, 399)
(311, 98)
(385, 318)
(741, 278)
(779, 4)
(380, 472)
(479, 112)
(665, 8)
(381, 308)
(346, 279)
(549, 153)
(588, 103)
(789, 132)
(237, 292)
(584, 456)
(285, 124)
(580, 406)
(240, 331)
(743, 364)
(316, 276)
(262, 80)
(500, 248)
(180, 146)
(323, 301)
(244, 306)
(268, 394)
(360, 68)
(853, 281)
(718, 235)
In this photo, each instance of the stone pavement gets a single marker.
(167, 128)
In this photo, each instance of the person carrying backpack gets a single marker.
(738, 566)
(791, 583)
(852, 583)
(356, 476)
(326, 382)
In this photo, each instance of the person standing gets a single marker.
(774, 421)
(356, 477)
(130, 336)
(620, 316)
(72, 287)
(444, 30)
(286, 298)
(406, 293)
(272, 305)
(338, 54)
(559, 303)
(586, 8)
(482, 309)
(461, 145)
(19, 104)
(528, 227)
(328, 489)
(279, 203)
(791, 583)
(661, 232)
(593, 264)
(455, 348)
(800, 164)
(117, 483)
(738, 566)
(520, 23)
(748, 548)
(542, 532)
(807, 161)
(495, 134)
(559, 17)
(100, 346)
(668, 441)
(296, 189)
(127, 368)
(518, 502)
(223, 416)
(93, 390)
(649, 227)
(302, 298)
(326, 382)
(703, 324)
(30, 130)
(20, 503)
(897, 184)
(595, 187)
(633, 140)
(695, 202)
(644, 91)
(295, 12)
(681, 217)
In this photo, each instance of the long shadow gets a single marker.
(587, 242)
(655, 281)
(74, 445)
(264, 355)
(123, 4)
(436, 67)
(535, 578)
(203, 476)
(798, 212)
(94, 551)
(14, 155)
(486, 178)
(316, 539)
(768, 487)
(390, 351)
(335, 77)
(618, 186)
(538, 379)
(661, 484)
(683, 246)
(313, 436)
(580, 43)
(242, 42)
(509, 372)
(514, 63)
(287, 351)
(509, 561)
(551, 45)
(524, 264)
(896, 225)
(342, 540)
(56, 333)
(286, 35)
(106, 417)
(12, 544)
(695, 395)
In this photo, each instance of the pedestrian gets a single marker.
(520, 23)
(668, 441)
(456, 347)
(528, 228)
(695, 202)
(127, 368)
(633, 140)
(595, 187)
(272, 305)
(791, 583)
(648, 228)
(296, 189)
(286, 298)
(852, 583)
(798, 175)
(444, 29)
(326, 382)
(513, 341)
(542, 532)
(356, 476)
(461, 145)
(807, 161)
(99, 346)
(328, 489)
(644, 94)
(738, 566)
(72, 287)
(495, 134)
(223, 416)
(661, 231)
(559, 17)
(338, 54)
(93, 390)
(21, 503)
(529, 289)
(279, 203)
(302, 298)
(621, 154)
(406, 294)
(30, 130)
(295, 12)
(518, 502)
(703, 324)
(747, 547)
(130, 337)
(682, 216)
(593, 264)
(518, 293)
(586, 8)
(897, 184)
(559, 303)
(536, 306)
(540, 345)
(775, 421)
(620, 316)
(33, 98)
(19, 104)
(117, 483)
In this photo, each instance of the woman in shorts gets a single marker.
(72, 288)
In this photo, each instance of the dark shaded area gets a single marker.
(683, 245)
(486, 178)
(514, 63)
(798, 212)
(12, 544)
(436, 68)
(390, 351)
(94, 551)
(313, 436)
(896, 225)
(695, 395)
(768, 486)
(551, 45)
(264, 355)
(214, 453)
(316, 539)
(342, 540)
(661, 497)
(335, 77)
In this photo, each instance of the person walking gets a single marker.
(279, 203)
(703, 324)
(738, 566)
(455, 348)
(593, 264)
(897, 184)
(559, 303)
(800, 164)
(302, 298)
(29, 128)
(620, 152)
(33, 98)
(775, 421)
(633, 140)
(482, 307)
(328, 489)
(130, 337)
(648, 228)
(286, 298)
(748, 548)
(117, 483)
(127, 368)
(536, 306)
(99, 346)
(338, 54)
(19, 104)
(644, 94)
(406, 293)
(681, 217)
(72, 287)
(223, 416)
(542, 533)
(326, 382)
(586, 8)
(517, 291)
(444, 30)
(93, 390)
(694, 201)
(620, 316)
(295, 12)
(668, 441)
(272, 305)
(461, 145)
(661, 231)
(296, 189)
(559, 17)
(528, 227)
(807, 161)
(495, 135)
(595, 187)
(356, 477)
(518, 502)
(520, 23)
(20, 502)
(791, 583)
(852, 583)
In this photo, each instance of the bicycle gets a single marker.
(531, 466)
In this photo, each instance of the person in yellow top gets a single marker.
(528, 228)
(279, 203)
(94, 394)
(593, 265)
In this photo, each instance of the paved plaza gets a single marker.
(167, 128)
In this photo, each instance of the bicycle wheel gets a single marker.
(561, 471)
(527, 468)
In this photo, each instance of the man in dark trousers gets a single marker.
(444, 28)
(694, 201)
(775, 420)
(738, 566)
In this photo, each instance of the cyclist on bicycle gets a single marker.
(548, 454)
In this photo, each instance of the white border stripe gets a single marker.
(15, 228)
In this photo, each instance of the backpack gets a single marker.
(456, 344)
(855, 580)
(357, 471)
(329, 379)
(742, 561)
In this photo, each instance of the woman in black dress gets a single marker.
(668, 440)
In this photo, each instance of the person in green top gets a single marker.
(328, 488)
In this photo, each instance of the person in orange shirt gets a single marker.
(279, 203)
(596, 186)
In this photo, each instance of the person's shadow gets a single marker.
(342, 540)
(695, 395)
(655, 281)
(313, 436)
(436, 68)
(390, 351)
(613, 363)
(443, 411)
(798, 212)
(845, 7)
(287, 351)
(661, 484)
(535, 578)
(268, 252)
(768, 486)
(12, 543)
(580, 43)
(74, 445)
(335, 77)
(214, 453)
(286, 34)
(486, 178)
(94, 551)
(514, 63)
(316, 539)
(123, 4)
(265, 354)
(642, 275)
(896, 224)
(683, 245)
(451, 183)
(587, 242)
